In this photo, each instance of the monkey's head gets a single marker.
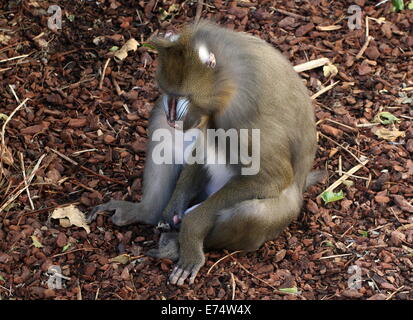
(186, 69)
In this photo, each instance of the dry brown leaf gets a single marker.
(130, 45)
(69, 216)
(389, 135)
(6, 156)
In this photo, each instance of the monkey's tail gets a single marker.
(314, 177)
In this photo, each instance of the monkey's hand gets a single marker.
(125, 212)
(189, 185)
(174, 210)
(187, 267)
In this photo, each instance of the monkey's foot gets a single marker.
(125, 212)
(168, 247)
(184, 270)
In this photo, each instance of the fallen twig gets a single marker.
(233, 286)
(259, 279)
(336, 256)
(25, 180)
(223, 258)
(87, 169)
(3, 147)
(29, 180)
(9, 118)
(311, 64)
(291, 14)
(345, 176)
(15, 58)
(364, 47)
(393, 293)
(324, 90)
(103, 74)
(341, 146)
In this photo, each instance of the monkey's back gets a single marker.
(269, 95)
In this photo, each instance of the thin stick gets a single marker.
(199, 8)
(14, 93)
(392, 294)
(406, 117)
(340, 166)
(336, 256)
(342, 124)
(14, 58)
(71, 251)
(119, 91)
(9, 118)
(233, 286)
(324, 90)
(223, 258)
(79, 82)
(291, 14)
(76, 153)
(311, 64)
(340, 145)
(364, 47)
(259, 279)
(25, 180)
(15, 195)
(345, 176)
(87, 169)
(103, 74)
(408, 89)
(352, 175)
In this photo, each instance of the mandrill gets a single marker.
(235, 85)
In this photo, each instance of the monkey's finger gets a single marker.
(183, 277)
(194, 273)
(93, 214)
(175, 275)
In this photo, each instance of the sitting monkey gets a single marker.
(229, 80)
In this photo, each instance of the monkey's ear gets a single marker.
(160, 43)
(164, 41)
(206, 57)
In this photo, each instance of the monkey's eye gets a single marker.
(175, 108)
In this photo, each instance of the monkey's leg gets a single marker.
(198, 223)
(248, 224)
(158, 183)
(189, 186)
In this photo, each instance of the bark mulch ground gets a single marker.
(101, 128)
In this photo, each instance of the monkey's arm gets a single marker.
(197, 224)
(190, 184)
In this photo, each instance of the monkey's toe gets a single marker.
(94, 213)
(180, 274)
(122, 218)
